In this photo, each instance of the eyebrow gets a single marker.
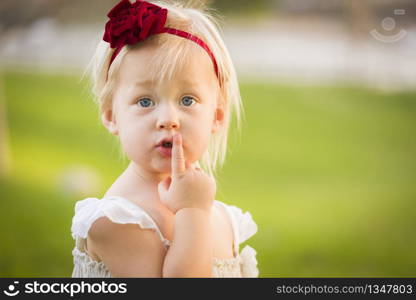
(148, 81)
(145, 82)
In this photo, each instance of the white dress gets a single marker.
(122, 210)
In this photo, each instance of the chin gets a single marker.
(163, 167)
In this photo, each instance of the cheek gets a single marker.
(198, 137)
(132, 137)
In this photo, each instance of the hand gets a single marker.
(187, 186)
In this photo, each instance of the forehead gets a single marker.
(149, 64)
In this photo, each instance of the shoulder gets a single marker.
(243, 221)
(103, 230)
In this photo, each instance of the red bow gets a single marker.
(133, 22)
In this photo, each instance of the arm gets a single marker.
(189, 193)
(190, 254)
(126, 249)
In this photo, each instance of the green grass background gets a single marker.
(328, 173)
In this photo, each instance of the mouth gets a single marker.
(165, 143)
(165, 147)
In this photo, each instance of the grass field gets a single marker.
(328, 174)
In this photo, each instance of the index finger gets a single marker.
(178, 160)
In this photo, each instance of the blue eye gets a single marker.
(145, 102)
(188, 100)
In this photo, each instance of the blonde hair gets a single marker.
(199, 20)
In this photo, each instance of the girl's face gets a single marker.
(145, 112)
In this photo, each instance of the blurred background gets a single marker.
(325, 162)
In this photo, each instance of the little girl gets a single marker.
(152, 58)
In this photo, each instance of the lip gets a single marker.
(167, 152)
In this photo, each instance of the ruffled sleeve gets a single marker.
(117, 209)
(244, 228)
(245, 225)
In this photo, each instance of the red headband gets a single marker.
(131, 23)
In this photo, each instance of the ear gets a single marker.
(218, 118)
(109, 121)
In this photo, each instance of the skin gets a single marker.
(170, 189)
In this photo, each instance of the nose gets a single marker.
(168, 119)
(168, 125)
